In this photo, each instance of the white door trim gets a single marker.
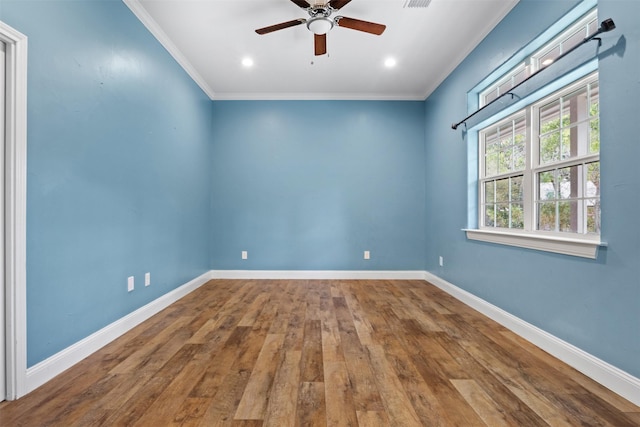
(16, 210)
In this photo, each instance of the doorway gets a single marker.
(3, 314)
(13, 207)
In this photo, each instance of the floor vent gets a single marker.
(417, 3)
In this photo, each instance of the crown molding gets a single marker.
(141, 13)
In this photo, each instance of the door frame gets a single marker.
(15, 211)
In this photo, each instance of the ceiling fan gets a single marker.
(320, 23)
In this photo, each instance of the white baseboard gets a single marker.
(319, 274)
(617, 380)
(63, 360)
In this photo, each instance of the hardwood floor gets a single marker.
(315, 353)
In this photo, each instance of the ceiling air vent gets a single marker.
(417, 3)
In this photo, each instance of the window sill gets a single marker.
(562, 245)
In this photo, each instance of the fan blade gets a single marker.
(337, 4)
(357, 24)
(320, 44)
(301, 3)
(281, 26)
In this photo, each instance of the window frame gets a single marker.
(483, 178)
(581, 24)
(570, 243)
(531, 63)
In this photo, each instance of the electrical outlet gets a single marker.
(367, 255)
(245, 255)
(147, 279)
(130, 284)
(441, 261)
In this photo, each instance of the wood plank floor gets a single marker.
(320, 353)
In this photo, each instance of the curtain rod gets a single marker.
(605, 26)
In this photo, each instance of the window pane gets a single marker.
(593, 215)
(519, 141)
(520, 76)
(502, 215)
(593, 179)
(490, 140)
(518, 157)
(490, 96)
(505, 87)
(550, 148)
(580, 146)
(594, 136)
(504, 161)
(593, 26)
(517, 215)
(506, 137)
(547, 216)
(594, 112)
(546, 186)
(516, 189)
(549, 57)
(574, 107)
(489, 193)
(550, 117)
(568, 178)
(502, 190)
(567, 135)
(574, 39)
(491, 164)
(489, 216)
(594, 105)
(492, 148)
(506, 151)
(568, 216)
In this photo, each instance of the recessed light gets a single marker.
(390, 62)
(247, 62)
(547, 61)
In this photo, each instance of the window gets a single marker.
(567, 173)
(534, 158)
(504, 85)
(539, 169)
(568, 39)
(542, 57)
(504, 160)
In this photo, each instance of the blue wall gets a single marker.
(593, 304)
(118, 173)
(311, 185)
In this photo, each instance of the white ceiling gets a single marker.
(209, 38)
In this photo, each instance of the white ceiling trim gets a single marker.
(323, 96)
(165, 41)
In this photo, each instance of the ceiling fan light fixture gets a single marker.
(320, 25)
(390, 62)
